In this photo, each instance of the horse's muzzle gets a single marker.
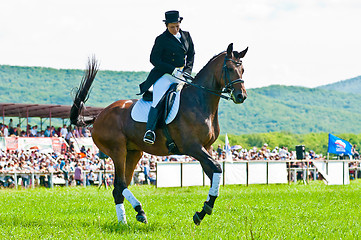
(239, 98)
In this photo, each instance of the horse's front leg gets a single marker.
(214, 172)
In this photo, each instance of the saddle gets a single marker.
(164, 107)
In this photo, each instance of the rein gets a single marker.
(228, 83)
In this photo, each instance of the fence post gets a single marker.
(84, 179)
(181, 173)
(314, 175)
(304, 171)
(204, 181)
(356, 173)
(32, 180)
(51, 180)
(100, 176)
(16, 180)
(308, 172)
(267, 172)
(156, 174)
(247, 175)
(295, 175)
(343, 173)
(224, 173)
(289, 172)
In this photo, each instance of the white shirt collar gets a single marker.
(178, 36)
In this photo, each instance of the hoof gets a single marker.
(196, 219)
(207, 208)
(141, 218)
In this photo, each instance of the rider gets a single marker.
(172, 55)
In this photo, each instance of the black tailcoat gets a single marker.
(167, 54)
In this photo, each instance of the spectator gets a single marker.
(5, 131)
(11, 124)
(146, 170)
(219, 151)
(47, 132)
(78, 175)
(68, 134)
(82, 149)
(354, 152)
(34, 131)
(75, 132)
(63, 132)
(18, 130)
(84, 132)
(53, 133)
(90, 178)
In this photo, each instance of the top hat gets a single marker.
(172, 17)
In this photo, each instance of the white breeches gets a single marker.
(161, 86)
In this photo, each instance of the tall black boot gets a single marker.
(149, 136)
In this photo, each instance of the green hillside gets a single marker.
(269, 109)
(352, 85)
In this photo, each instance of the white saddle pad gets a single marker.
(141, 109)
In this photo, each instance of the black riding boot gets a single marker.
(149, 136)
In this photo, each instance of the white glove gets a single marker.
(178, 73)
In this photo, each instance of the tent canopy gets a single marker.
(24, 110)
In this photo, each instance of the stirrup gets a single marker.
(149, 137)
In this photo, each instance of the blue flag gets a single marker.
(338, 146)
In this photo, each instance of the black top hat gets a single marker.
(172, 17)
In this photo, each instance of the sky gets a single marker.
(304, 43)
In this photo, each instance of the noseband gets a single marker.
(227, 80)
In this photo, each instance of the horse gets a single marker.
(194, 129)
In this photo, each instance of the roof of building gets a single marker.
(24, 110)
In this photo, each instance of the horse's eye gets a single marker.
(230, 69)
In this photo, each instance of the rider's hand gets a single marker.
(178, 73)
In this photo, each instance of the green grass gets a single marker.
(297, 211)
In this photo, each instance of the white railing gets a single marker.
(178, 174)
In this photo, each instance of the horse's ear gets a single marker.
(230, 49)
(243, 53)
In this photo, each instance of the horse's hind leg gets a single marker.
(120, 190)
(214, 172)
(132, 161)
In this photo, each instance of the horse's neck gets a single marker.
(205, 100)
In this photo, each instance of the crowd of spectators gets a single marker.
(68, 166)
(33, 131)
(71, 166)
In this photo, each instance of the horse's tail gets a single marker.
(82, 95)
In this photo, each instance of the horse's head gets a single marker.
(231, 76)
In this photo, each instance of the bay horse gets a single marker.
(194, 129)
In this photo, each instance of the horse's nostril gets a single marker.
(240, 96)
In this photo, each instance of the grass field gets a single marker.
(297, 211)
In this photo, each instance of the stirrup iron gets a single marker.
(149, 137)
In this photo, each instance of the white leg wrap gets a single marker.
(216, 180)
(119, 208)
(130, 197)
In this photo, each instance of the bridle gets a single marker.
(227, 80)
(228, 89)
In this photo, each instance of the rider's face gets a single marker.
(173, 28)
